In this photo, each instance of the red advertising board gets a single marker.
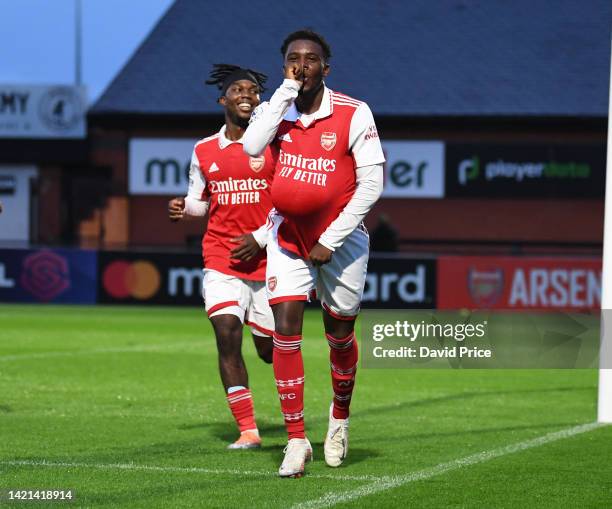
(493, 282)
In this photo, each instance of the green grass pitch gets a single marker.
(124, 406)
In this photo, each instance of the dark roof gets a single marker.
(412, 58)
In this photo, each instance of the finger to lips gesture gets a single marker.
(294, 72)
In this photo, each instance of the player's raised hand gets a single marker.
(320, 255)
(246, 249)
(295, 72)
(176, 209)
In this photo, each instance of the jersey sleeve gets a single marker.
(369, 189)
(197, 182)
(266, 118)
(364, 142)
(261, 234)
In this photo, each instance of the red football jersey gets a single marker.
(238, 189)
(315, 170)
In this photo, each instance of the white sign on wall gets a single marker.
(15, 198)
(159, 166)
(414, 169)
(39, 111)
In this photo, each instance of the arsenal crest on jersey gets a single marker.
(272, 283)
(328, 141)
(257, 163)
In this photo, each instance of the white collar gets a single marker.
(325, 110)
(224, 141)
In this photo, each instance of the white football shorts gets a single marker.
(225, 294)
(338, 284)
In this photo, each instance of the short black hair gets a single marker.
(309, 35)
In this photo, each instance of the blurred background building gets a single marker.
(493, 117)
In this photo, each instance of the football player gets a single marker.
(234, 189)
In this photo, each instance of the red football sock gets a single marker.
(343, 355)
(289, 374)
(241, 405)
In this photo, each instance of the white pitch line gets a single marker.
(190, 470)
(333, 498)
(95, 351)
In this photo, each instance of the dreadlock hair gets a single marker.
(309, 35)
(223, 75)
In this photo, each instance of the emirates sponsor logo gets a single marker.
(305, 163)
(272, 283)
(257, 163)
(328, 141)
(232, 185)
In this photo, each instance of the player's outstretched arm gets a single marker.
(268, 115)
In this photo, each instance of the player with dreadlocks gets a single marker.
(235, 190)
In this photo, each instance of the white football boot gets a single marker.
(336, 440)
(297, 453)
